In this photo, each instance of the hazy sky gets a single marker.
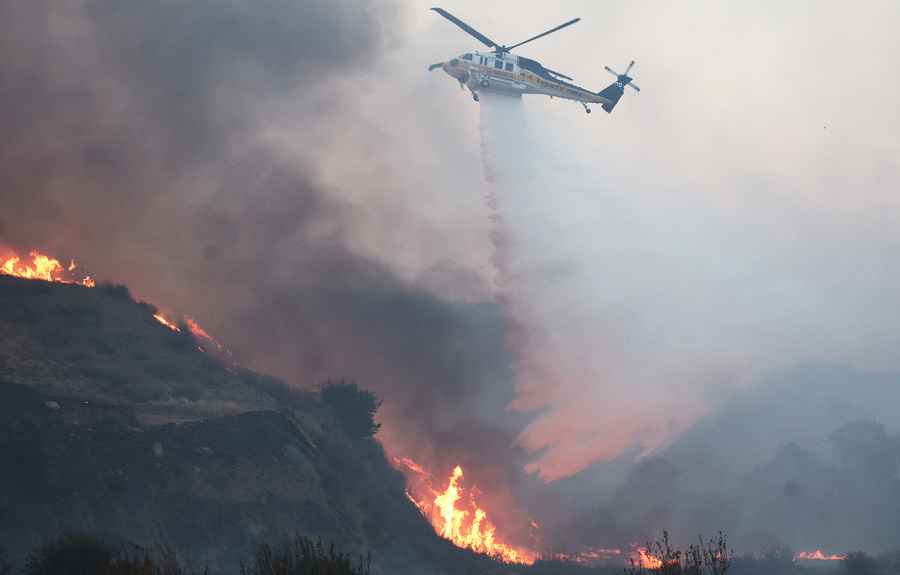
(740, 214)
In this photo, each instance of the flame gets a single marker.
(46, 268)
(467, 528)
(41, 267)
(161, 318)
(198, 331)
(817, 555)
(642, 557)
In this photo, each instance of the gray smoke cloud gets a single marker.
(199, 153)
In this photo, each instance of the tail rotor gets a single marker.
(624, 79)
(614, 91)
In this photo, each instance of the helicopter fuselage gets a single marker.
(505, 73)
(512, 75)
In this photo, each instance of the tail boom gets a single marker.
(611, 95)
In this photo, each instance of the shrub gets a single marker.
(355, 407)
(710, 557)
(303, 557)
(86, 555)
(70, 555)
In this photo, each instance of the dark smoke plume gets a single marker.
(134, 141)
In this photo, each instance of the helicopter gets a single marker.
(505, 73)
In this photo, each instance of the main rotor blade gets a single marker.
(472, 31)
(555, 73)
(634, 86)
(551, 31)
(630, 66)
(611, 71)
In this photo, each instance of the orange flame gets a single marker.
(161, 318)
(642, 557)
(817, 555)
(467, 528)
(41, 267)
(198, 331)
(46, 268)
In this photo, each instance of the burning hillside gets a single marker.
(818, 555)
(42, 267)
(39, 266)
(456, 515)
(452, 510)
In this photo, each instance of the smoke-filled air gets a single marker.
(567, 333)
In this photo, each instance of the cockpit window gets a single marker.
(467, 57)
(454, 62)
(498, 64)
(509, 67)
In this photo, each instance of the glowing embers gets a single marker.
(817, 555)
(642, 557)
(195, 329)
(455, 515)
(161, 318)
(42, 267)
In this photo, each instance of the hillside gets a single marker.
(113, 424)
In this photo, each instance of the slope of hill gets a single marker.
(113, 424)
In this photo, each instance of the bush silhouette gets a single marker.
(354, 407)
(302, 556)
(710, 557)
(70, 555)
(77, 554)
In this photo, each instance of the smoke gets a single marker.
(210, 155)
(660, 278)
(568, 340)
(288, 174)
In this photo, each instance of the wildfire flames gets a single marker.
(452, 511)
(457, 516)
(46, 268)
(643, 558)
(161, 318)
(818, 555)
(42, 267)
